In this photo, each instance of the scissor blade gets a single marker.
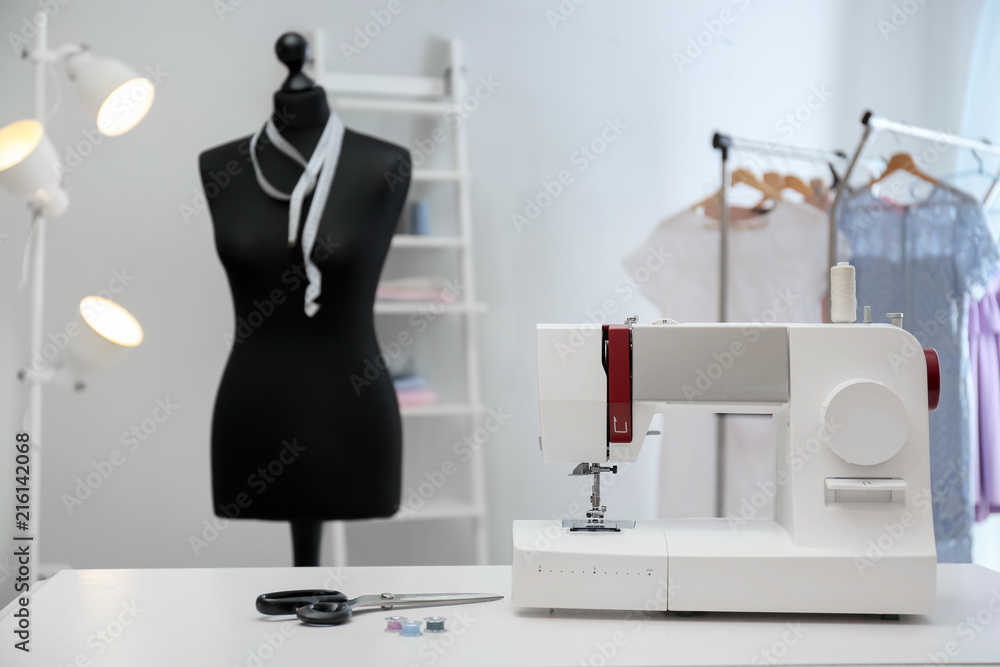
(388, 600)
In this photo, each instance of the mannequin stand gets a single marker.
(306, 537)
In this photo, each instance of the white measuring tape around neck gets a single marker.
(317, 176)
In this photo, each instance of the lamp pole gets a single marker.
(103, 84)
(33, 418)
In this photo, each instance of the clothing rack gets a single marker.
(725, 143)
(872, 126)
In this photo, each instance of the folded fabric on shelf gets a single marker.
(411, 398)
(409, 382)
(417, 289)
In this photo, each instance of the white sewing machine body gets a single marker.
(852, 529)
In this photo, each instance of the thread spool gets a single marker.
(435, 623)
(394, 623)
(843, 294)
(410, 629)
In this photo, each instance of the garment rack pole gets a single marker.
(872, 125)
(724, 144)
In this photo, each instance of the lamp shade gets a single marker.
(106, 330)
(111, 90)
(29, 166)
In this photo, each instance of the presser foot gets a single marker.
(595, 521)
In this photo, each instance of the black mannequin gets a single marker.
(292, 437)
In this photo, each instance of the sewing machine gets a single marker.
(851, 530)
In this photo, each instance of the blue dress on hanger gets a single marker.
(926, 261)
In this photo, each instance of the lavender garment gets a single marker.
(974, 469)
(926, 261)
(985, 348)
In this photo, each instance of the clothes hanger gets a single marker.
(808, 193)
(775, 180)
(792, 182)
(980, 171)
(819, 186)
(903, 162)
(746, 177)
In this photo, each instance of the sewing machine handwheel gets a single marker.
(933, 378)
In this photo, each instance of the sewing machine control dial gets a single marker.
(866, 422)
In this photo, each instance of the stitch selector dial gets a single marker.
(867, 422)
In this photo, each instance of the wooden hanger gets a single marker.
(775, 180)
(820, 188)
(903, 162)
(808, 192)
(746, 177)
(792, 182)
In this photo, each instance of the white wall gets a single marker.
(609, 60)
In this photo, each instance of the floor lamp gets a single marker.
(29, 168)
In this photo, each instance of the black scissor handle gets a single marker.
(288, 602)
(324, 613)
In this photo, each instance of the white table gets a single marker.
(140, 618)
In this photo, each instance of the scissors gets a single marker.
(324, 607)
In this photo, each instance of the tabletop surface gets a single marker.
(132, 618)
